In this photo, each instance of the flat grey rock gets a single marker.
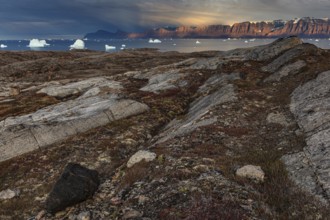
(22, 134)
(310, 104)
(80, 86)
(163, 81)
(288, 56)
(265, 52)
(290, 69)
(224, 93)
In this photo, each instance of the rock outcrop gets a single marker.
(167, 135)
(310, 103)
(54, 123)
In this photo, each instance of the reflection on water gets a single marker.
(181, 45)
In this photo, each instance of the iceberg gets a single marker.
(156, 41)
(38, 43)
(123, 45)
(197, 42)
(107, 47)
(3, 46)
(78, 45)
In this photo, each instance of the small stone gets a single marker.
(14, 91)
(8, 194)
(251, 172)
(201, 168)
(132, 214)
(139, 156)
(84, 216)
(40, 215)
(143, 200)
(277, 118)
(60, 214)
(115, 201)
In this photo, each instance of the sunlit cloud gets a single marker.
(48, 17)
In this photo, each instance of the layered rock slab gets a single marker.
(54, 123)
(310, 103)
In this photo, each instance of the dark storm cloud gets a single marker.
(28, 18)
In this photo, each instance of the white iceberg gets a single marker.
(252, 40)
(317, 40)
(123, 45)
(246, 41)
(3, 46)
(38, 43)
(107, 47)
(197, 42)
(155, 41)
(78, 45)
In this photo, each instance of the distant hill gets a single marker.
(102, 34)
(302, 27)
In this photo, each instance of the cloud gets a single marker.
(48, 17)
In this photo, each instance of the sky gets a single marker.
(24, 19)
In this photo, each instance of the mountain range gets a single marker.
(302, 27)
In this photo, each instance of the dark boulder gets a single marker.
(75, 185)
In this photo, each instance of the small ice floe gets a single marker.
(229, 38)
(197, 42)
(174, 44)
(78, 45)
(123, 45)
(329, 39)
(317, 40)
(155, 41)
(3, 46)
(246, 41)
(37, 43)
(108, 47)
(224, 40)
(252, 40)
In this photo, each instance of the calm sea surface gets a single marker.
(181, 45)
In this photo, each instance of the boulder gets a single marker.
(140, 156)
(75, 185)
(251, 172)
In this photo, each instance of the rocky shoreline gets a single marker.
(242, 134)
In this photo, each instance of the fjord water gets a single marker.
(180, 45)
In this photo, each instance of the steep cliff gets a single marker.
(304, 27)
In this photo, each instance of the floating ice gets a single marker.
(156, 41)
(123, 45)
(246, 41)
(38, 43)
(252, 40)
(107, 47)
(317, 40)
(197, 42)
(78, 44)
(3, 46)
